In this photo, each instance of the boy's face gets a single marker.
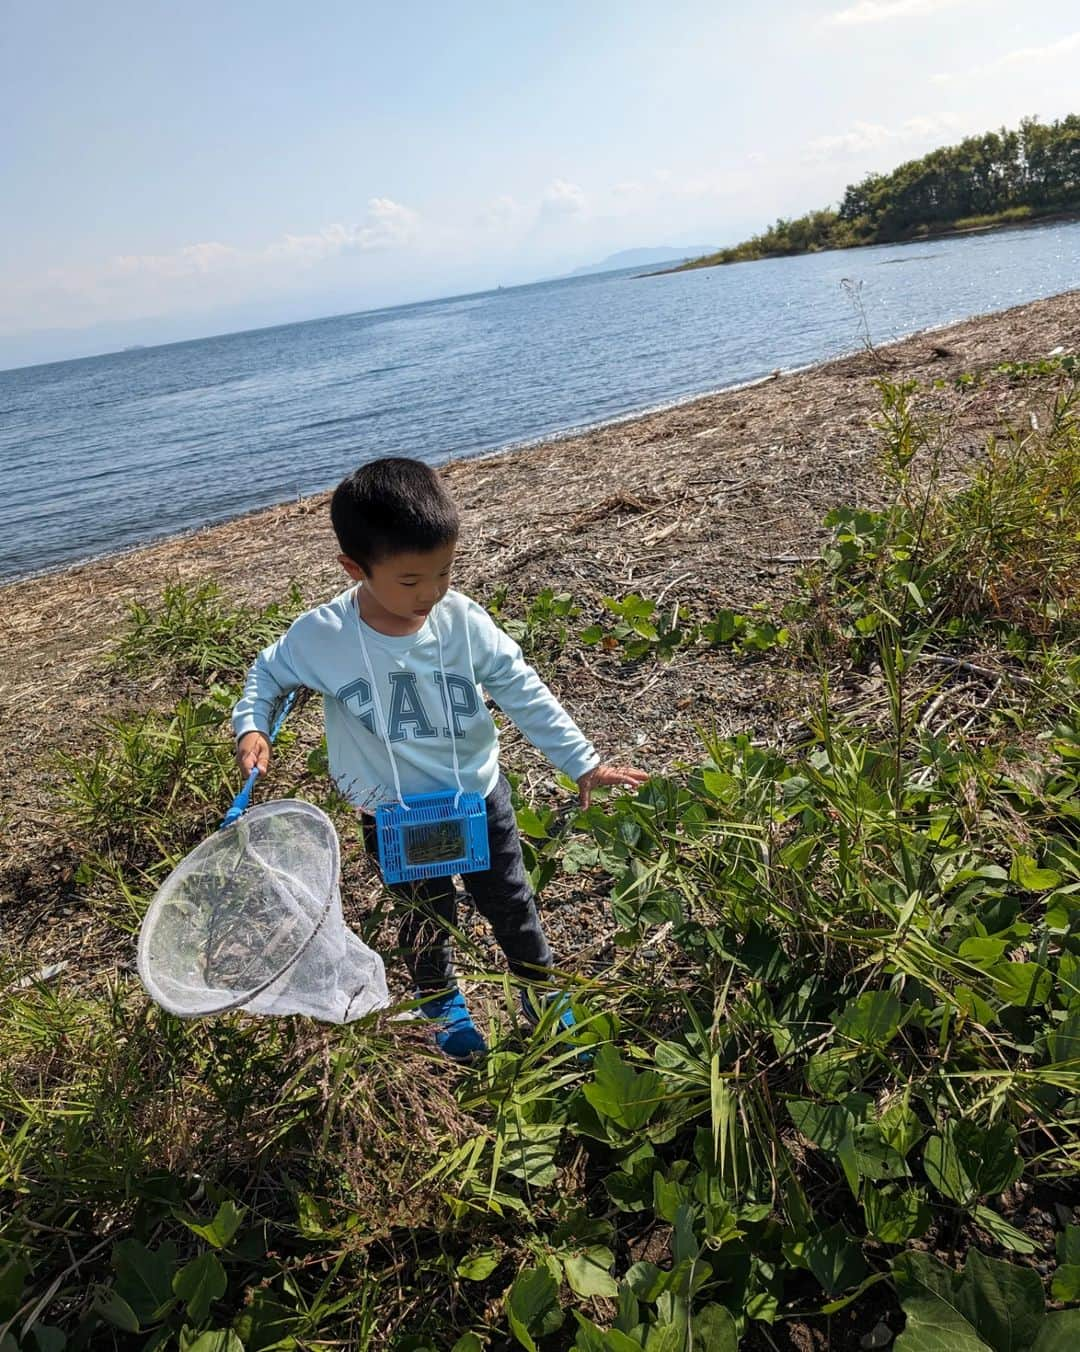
(403, 589)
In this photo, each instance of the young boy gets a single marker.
(398, 659)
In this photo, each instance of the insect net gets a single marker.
(251, 919)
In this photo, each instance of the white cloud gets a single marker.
(1022, 56)
(561, 201)
(387, 225)
(191, 260)
(880, 11)
(866, 136)
(207, 273)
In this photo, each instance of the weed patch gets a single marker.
(829, 1060)
(194, 632)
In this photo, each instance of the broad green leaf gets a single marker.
(1064, 1042)
(646, 1280)
(872, 1019)
(1060, 1332)
(831, 1072)
(1021, 983)
(213, 1340)
(900, 1128)
(530, 824)
(894, 1217)
(144, 1278)
(713, 1330)
(478, 1266)
(199, 1284)
(650, 1283)
(1066, 1284)
(1030, 877)
(589, 1272)
(934, 1326)
(874, 1159)
(529, 1151)
(578, 1229)
(973, 1006)
(629, 1193)
(668, 1196)
(220, 1231)
(998, 1228)
(835, 1259)
(626, 1096)
(666, 1338)
(468, 1342)
(684, 1242)
(983, 951)
(719, 785)
(590, 1338)
(1068, 1245)
(533, 1306)
(968, 1161)
(1002, 1301)
(114, 1308)
(265, 1325)
(825, 1124)
(849, 1162)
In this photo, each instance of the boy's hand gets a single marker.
(601, 776)
(253, 749)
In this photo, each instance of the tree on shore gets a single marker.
(990, 179)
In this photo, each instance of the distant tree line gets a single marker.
(994, 179)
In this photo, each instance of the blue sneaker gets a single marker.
(535, 1005)
(456, 1035)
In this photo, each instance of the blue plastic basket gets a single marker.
(433, 838)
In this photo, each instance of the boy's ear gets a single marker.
(353, 569)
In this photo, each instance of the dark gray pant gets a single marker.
(502, 895)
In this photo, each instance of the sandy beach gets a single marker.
(711, 503)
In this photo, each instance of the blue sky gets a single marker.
(174, 170)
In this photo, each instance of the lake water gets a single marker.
(107, 452)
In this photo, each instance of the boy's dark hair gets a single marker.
(391, 506)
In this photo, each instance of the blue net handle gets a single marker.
(242, 800)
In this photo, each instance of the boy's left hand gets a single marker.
(601, 776)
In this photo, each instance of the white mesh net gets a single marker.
(252, 920)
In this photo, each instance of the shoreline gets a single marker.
(569, 433)
(490, 453)
(1042, 324)
(931, 236)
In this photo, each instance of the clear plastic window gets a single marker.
(434, 843)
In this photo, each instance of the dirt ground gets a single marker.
(712, 503)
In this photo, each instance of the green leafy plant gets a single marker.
(988, 1305)
(195, 632)
(540, 624)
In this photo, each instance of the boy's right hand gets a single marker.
(253, 749)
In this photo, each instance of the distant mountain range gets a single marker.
(641, 258)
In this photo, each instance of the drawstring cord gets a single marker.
(448, 705)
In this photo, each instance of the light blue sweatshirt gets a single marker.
(421, 681)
